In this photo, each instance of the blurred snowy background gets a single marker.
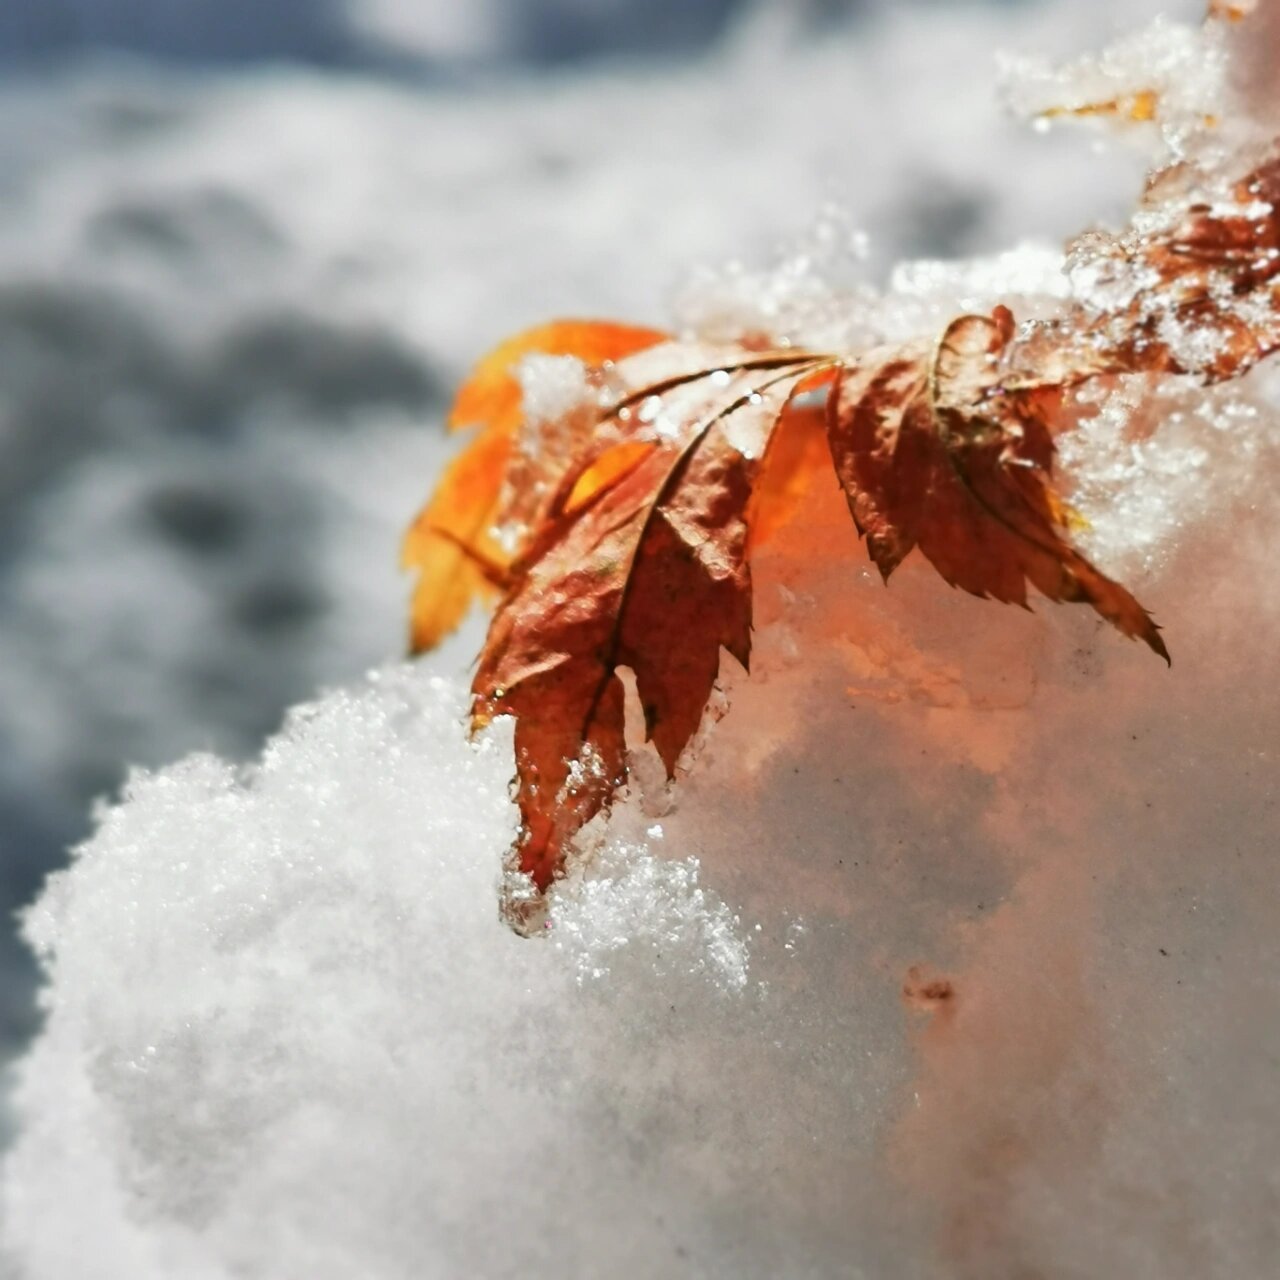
(246, 249)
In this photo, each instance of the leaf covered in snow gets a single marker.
(1193, 286)
(637, 500)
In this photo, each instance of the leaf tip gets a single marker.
(1156, 642)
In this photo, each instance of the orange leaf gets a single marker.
(1137, 108)
(1208, 295)
(797, 452)
(1193, 287)
(1231, 10)
(451, 544)
(607, 470)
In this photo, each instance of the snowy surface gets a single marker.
(289, 1036)
(956, 954)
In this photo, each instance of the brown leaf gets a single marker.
(649, 573)
(932, 452)
(797, 452)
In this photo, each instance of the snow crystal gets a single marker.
(810, 295)
(651, 909)
(1142, 468)
(551, 387)
(275, 986)
(1173, 72)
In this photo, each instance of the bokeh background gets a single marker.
(246, 249)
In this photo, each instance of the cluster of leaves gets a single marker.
(634, 521)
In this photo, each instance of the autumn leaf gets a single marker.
(452, 545)
(640, 558)
(1141, 107)
(639, 561)
(797, 451)
(649, 574)
(638, 511)
(1231, 10)
(933, 453)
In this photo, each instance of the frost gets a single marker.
(552, 387)
(1170, 71)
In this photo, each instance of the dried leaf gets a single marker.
(931, 452)
(685, 455)
(1231, 10)
(608, 469)
(1193, 287)
(1135, 108)
(450, 545)
(797, 452)
(649, 574)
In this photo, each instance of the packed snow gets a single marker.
(953, 955)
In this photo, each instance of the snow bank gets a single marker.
(955, 955)
(307, 999)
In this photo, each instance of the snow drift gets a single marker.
(955, 956)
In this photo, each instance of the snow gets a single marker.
(1184, 65)
(288, 1035)
(558, 403)
(321, 935)
(955, 953)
